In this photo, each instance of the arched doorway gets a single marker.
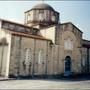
(67, 66)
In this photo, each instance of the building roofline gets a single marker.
(86, 40)
(28, 10)
(22, 33)
(72, 24)
(85, 43)
(38, 9)
(17, 23)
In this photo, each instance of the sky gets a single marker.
(77, 12)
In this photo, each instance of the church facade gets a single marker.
(42, 46)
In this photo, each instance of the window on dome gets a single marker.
(29, 17)
(48, 15)
(41, 15)
(53, 18)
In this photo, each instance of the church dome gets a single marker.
(41, 14)
(42, 6)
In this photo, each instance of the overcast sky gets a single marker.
(77, 12)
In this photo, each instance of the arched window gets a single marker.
(27, 55)
(40, 57)
(28, 17)
(84, 59)
(68, 44)
(52, 16)
(41, 15)
(26, 63)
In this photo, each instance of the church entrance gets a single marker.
(67, 66)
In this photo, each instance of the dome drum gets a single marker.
(42, 22)
(42, 14)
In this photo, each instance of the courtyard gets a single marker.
(46, 84)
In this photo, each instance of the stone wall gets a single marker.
(54, 54)
(63, 32)
(32, 67)
(85, 60)
(48, 33)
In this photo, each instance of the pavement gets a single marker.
(45, 84)
(75, 83)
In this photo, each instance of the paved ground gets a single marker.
(46, 84)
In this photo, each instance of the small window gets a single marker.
(53, 18)
(41, 15)
(83, 60)
(29, 17)
(68, 44)
(40, 57)
(27, 55)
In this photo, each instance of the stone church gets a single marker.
(42, 46)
